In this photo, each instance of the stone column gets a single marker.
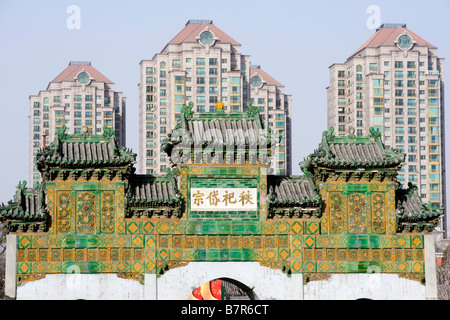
(430, 268)
(150, 289)
(11, 266)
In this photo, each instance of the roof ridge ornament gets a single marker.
(375, 134)
(186, 110)
(108, 132)
(252, 111)
(60, 133)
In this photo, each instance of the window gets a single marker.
(433, 102)
(213, 61)
(213, 90)
(201, 61)
(411, 64)
(399, 92)
(201, 89)
(399, 130)
(235, 80)
(176, 63)
(398, 64)
(373, 67)
(378, 120)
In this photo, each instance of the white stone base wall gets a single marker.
(353, 286)
(81, 286)
(178, 284)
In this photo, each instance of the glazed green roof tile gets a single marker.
(294, 191)
(219, 129)
(355, 152)
(84, 150)
(153, 190)
(411, 208)
(27, 205)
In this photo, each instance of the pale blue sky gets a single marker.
(294, 41)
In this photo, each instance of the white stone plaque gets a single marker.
(224, 199)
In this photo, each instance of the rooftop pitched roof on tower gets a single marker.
(264, 75)
(387, 34)
(193, 29)
(75, 67)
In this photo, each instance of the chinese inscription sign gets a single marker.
(224, 199)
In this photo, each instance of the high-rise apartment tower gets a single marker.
(80, 98)
(395, 83)
(204, 65)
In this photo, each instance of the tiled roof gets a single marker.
(192, 30)
(151, 196)
(388, 35)
(265, 76)
(225, 132)
(151, 189)
(26, 210)
(292, 191)
(71, 72)
(413, 214)
(243, 132)
(355, 152)
(84, 150)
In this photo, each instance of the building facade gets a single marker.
(80, 98)
(395, 83)
(218, 221)
(204, 65)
